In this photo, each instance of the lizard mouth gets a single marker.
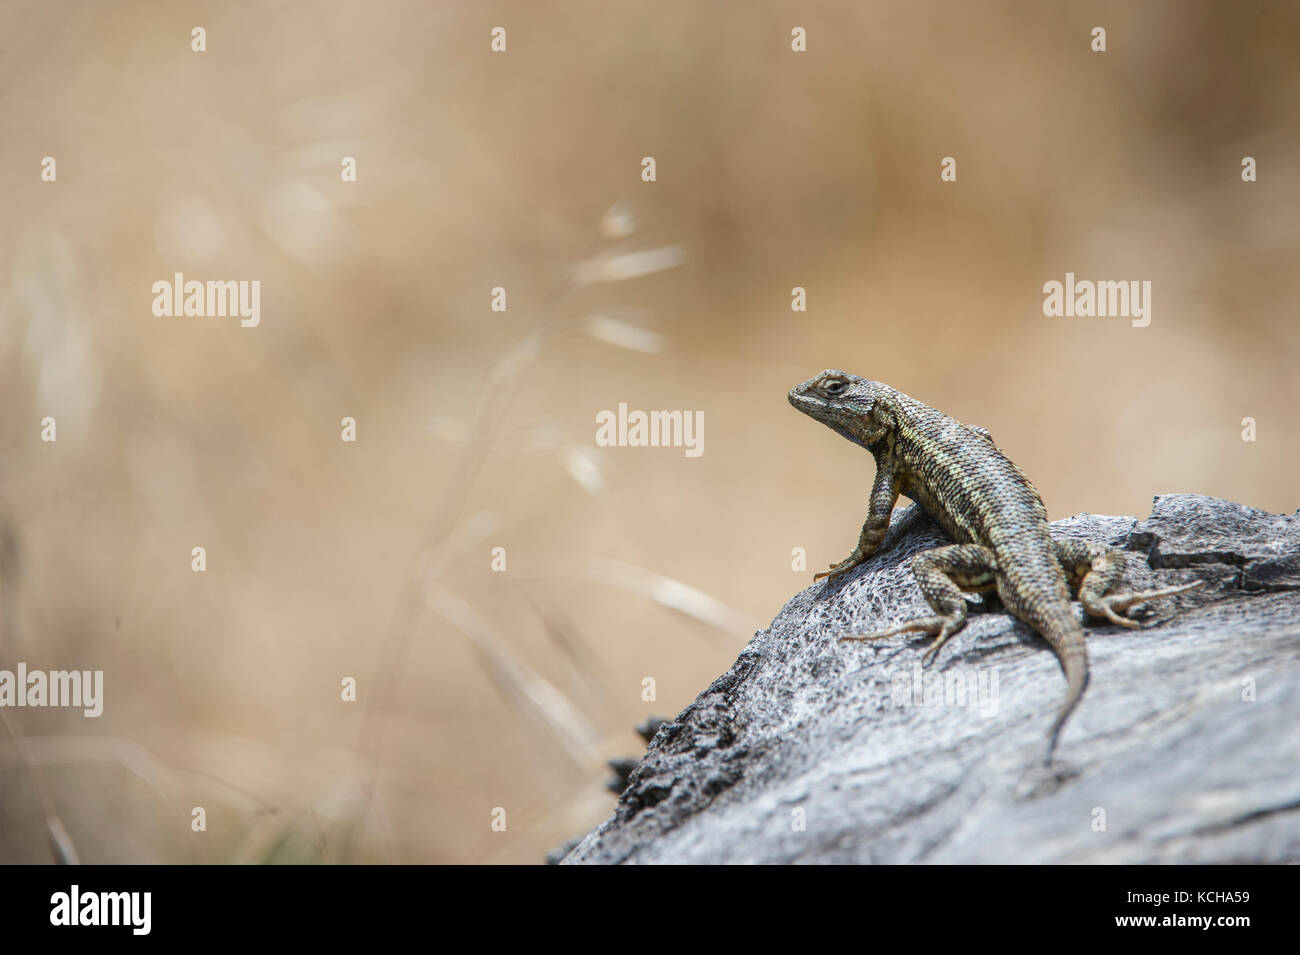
(803, 401)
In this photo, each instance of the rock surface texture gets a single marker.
(1185, 748)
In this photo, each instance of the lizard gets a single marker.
(959, 476)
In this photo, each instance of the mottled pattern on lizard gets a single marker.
(984, 502)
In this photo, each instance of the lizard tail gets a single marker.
(1073, 653)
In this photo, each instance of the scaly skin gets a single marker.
(986, 504)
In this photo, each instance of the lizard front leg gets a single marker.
(1094, 571)
(884, 494)
(943, 573)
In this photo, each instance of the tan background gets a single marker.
(328, 560)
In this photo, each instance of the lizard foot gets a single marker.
(1112, 606)
(945, 627)
(847, 564)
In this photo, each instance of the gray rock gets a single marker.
(1186, 747)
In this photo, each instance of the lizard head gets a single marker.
(843, 402)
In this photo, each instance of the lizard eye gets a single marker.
(834, 387)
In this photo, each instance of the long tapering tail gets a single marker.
(1072, 650)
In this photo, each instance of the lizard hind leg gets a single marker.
(1094, 571)
(943, 574)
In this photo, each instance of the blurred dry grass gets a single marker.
(372, 560)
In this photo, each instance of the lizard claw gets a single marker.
(1123, 621)
(945, 627)
(1111, 607)
(848, 563)
(931, 653)
(925, 624)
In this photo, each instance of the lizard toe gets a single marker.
(925, 624)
